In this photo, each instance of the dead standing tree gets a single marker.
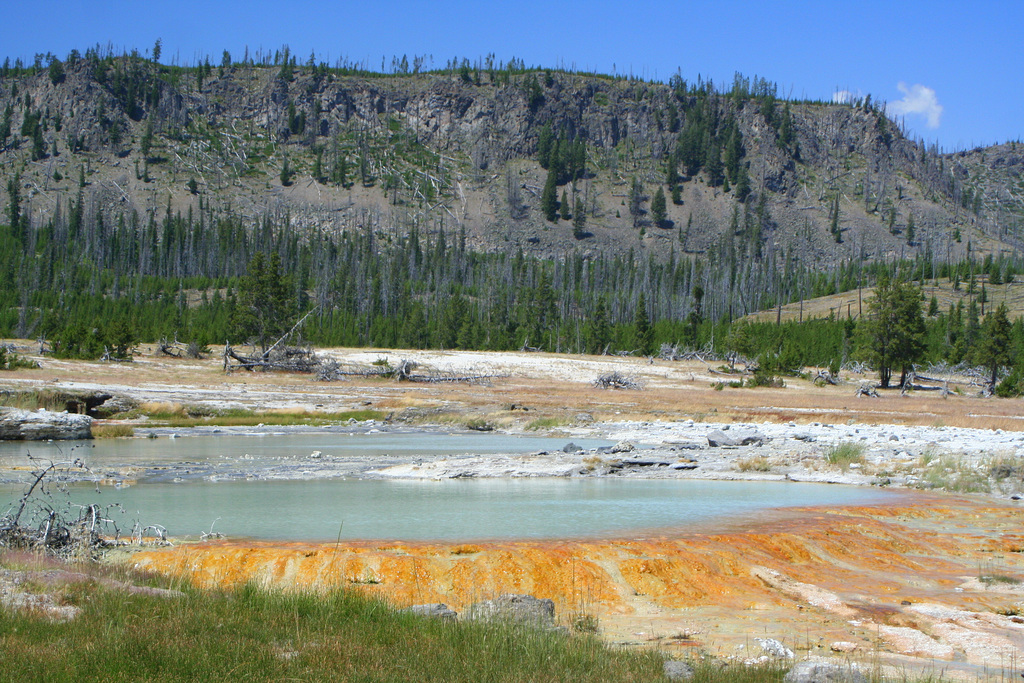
(42, 521)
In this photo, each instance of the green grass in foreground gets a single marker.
(252, 634)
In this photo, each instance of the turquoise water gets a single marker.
(454, 509)
(260, 487)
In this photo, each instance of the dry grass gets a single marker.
(849, 303)
(112, 431)
(757, 463)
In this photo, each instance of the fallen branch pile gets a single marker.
(176, 349)
(282, 359)
(405, 371)
(56, 526)
(616, 380)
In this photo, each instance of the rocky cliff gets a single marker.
(386, 153)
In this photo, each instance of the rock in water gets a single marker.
(24, 425)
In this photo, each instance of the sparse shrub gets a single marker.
(989, 579)
(9, 360)
(754, 464)
(584, 623)
(953, 474)
(545, 423)
(479, 424)
(845, 454)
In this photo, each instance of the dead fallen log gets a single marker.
(616, 380)
(866, 390)
(282, 359)
(826, 377)
(405, 371)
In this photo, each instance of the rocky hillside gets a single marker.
(742, 172)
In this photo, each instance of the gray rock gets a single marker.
(738, 437)
(584, 418)
(514, 607)
(804, 436)
(113, 406)
(824, 672)
(678, 671)
(437, 610)
(622, 447)
(23, 425)
(571, 448)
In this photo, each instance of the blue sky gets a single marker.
(950, 69)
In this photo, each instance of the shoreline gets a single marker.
(960, 459)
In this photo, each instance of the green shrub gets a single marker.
(845, 454)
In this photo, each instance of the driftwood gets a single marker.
(282, 359)
(39, 521)
(405, 371)
(825, 376)
(857, 367)
(866, 390)
(616, 380)
(276, 356)
(108, 358)
(176, 349)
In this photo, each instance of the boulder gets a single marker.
(824, 672)
(736, 437)
(437, 610)
(678, 671)
(774, 648)
(24, 425)
(113, 406)
(514, 607)
(571, 448)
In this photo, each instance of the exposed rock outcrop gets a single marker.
(512, 607)
(739, 437)
(24, 425)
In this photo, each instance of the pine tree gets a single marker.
(658, 207)
(892, 335)
(286, 173)
(743, 184)
(910, 230)
(579, 219)
(549, 197)
(600, 330)
(564, 206)
(635, 198)
(14, 202)
(994, 346)
(644, 335)
(786, 127)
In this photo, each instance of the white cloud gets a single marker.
(917, 100)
